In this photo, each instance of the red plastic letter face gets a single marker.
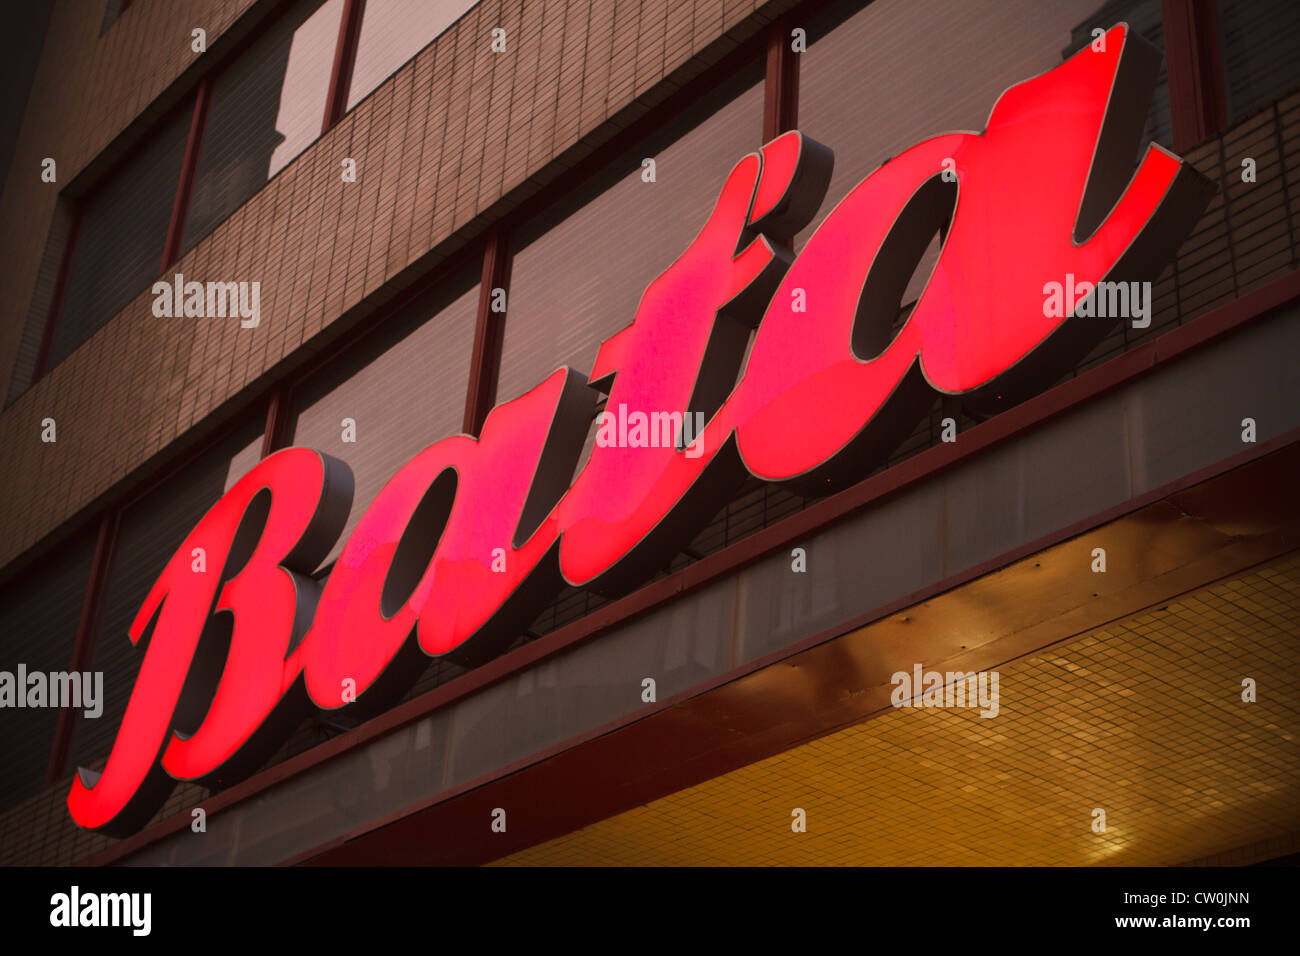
(676, 363)
(308, 496)
(1029, 192)
(449, 543)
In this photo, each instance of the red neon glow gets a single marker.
(262, 597)
(655, 363)
(1020, 185)
(473, 536)
(476, 565)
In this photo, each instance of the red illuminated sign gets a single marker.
(473, 537)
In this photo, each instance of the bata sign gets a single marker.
(473, 537)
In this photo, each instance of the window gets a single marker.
(149, 532)
(403, 389)
(582, 266)
(896, 73)
(266, 108)
(260, 112)
(1259, 39)
(39, 614)
(112, 10)
(1145, 17)
(393, 31)
(38, 311)
(118, 246)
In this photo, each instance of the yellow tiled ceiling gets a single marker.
(1143, 719)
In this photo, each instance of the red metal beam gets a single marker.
(1197, 100)
(84, 645)
(345, 57)
(1006, 425)
(489, 332)
(181, 204)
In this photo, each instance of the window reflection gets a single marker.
(266, 108)
(896, 73)
(402, 390)
(393, 31)
(583, 264)
(306, 84)
(1258, 40)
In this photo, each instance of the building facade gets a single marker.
(415, 211)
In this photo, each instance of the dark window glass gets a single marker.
(582, 266)
(404, 389)
(267, 106)
(38, 311)
(1259, 40)
(896, 73)
(118, 248)
(150, 531)
(393, 31)
(39, 613)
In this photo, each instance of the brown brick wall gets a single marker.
(452, 141)
(87, 92)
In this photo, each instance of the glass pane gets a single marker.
(38, 311)
(112, 10)
(39, 614)
(243, 461)
(896, 73)
(150, 531)
(583, 265)
(403, 390)
(1146, 18)
(1259, 40)
(118, 248)
(393, 31)
(267, 107)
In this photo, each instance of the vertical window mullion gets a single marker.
(180, 205)
(1197, 95)
(56, 300)
(489, 329)
(277, 421)
(345, 55)
(780, 91)
(83, 646)
(781, 83)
